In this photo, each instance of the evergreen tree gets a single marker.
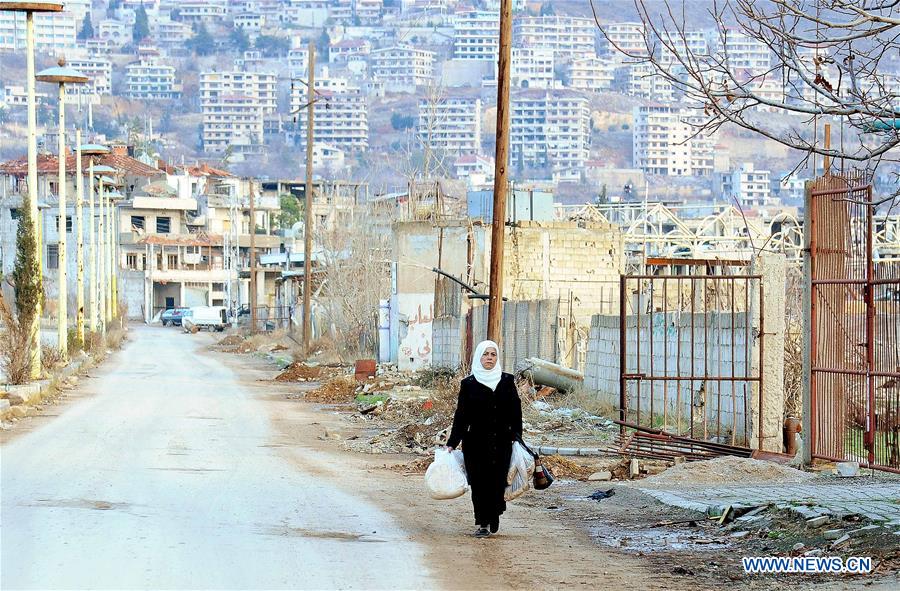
(239, 39)
(322, 45)
(26, 271)
(87, 28)
(202, 43)
(141, 25)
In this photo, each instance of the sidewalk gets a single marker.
(875, 498)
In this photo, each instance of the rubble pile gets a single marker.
(299, 372)
(726, 470)
(565, 468)
(336, 390)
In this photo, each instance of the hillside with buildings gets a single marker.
(407, 83)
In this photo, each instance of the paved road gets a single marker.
(164, 480)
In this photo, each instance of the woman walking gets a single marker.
(488, 419)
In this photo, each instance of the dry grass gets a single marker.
(50, 357)
(15, 358)
(588, 402)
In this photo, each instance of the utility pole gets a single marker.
(79, 243)
(252, 263)
(498, 234)
(307, 210)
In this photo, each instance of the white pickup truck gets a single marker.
(208, 317)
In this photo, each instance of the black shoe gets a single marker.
(495, 525)
(482, 532)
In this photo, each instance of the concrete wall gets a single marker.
(707, 350)
(543, 260)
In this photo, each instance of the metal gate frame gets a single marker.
(691, 375)
(844, 383)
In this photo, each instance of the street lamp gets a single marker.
(106, 221)
(29, 8)
(62, 75)
(92, 150)
(114, 198)
(101, 245)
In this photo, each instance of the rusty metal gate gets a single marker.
(690, 356)
(854, 330)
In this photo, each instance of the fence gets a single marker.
(529, 330)
(688, 356)
(854, 336)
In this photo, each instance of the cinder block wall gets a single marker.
(548, 260)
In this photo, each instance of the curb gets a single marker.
(32, 393)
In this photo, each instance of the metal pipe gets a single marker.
(35, 341)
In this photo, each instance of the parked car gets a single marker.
(208, 317)
(172, 316)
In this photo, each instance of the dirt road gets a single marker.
(165, 476)
(175, 467)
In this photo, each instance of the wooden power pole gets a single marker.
(252, 263)
(495, 302)
(308, 207)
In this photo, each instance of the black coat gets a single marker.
(487, 423)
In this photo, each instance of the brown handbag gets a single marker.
(542, 477)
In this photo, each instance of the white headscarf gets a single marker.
(488, 377)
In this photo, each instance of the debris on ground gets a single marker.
(336, 390)
(725, 470)
(565, 468)
(417, 466)
(299, 372)
(599, 495)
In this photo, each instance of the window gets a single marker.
(163, 225)
(172, 260)
(53, 256)
(15, 213)
(131, 261)
(68, 224)
(137, 222)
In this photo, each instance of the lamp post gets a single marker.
(114, 197)
(92, 150)
(101, 246)
(29, 8)
(62, 75)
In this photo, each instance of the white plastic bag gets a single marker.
(446, 476)
(521, 468)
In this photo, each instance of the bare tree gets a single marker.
(824, 65)
(356, 276)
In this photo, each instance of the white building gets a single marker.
(170, 33)
(402, 68)
(694, 42)
(99, 72)
(234, 105)
(346, 50)
(746, 53)
(625, 37)
(665, 142)
(751, 187)
(643, 80)
(53, 32)
(450, 124)
(476, 36)
(368, 12)
(550, 129)
(342, 116)
(151, 80)
(115, 32)
(195, 11)
(532, 68)
(591, 73)
(567, 36)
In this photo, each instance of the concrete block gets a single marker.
(817, 521)
(833, 534)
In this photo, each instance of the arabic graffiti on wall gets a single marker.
(415, 347)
